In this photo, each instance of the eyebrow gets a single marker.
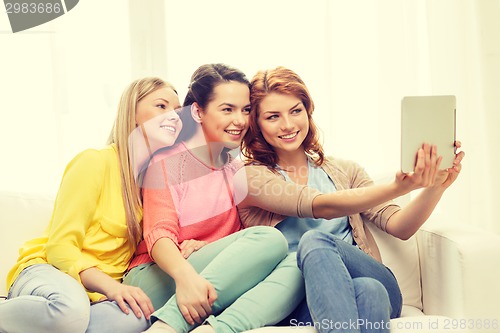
(292, 108)
(162, 99)
(228, 104)
(232, 105)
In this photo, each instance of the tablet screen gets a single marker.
(427, 119)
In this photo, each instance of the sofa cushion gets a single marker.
(24, 216)
(402, 258)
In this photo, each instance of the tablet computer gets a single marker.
(427, 119)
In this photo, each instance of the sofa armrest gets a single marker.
(460, 271)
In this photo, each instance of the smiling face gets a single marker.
(225, 117)
(157, 116)
(283, 122)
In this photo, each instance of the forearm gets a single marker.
(405, 223)
(353, 201)
(97, 281)
(167, 256)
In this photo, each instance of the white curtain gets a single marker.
(60, 83)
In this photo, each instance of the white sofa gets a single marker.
(449, 275)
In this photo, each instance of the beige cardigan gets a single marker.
(269, 199)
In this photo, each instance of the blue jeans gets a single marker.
(44, 299)
(346, 289)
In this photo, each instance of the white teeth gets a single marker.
(234, 132)
(169, 128)
(289, 136)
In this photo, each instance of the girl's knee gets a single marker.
(65, 311)
(312, 236)
(67, 319)
(313, 240)
(272, 240)
(76, 323)
(265, 231)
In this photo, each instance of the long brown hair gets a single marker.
(280, 80)
(201, 90)
(124, 125)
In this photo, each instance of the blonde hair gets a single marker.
(124, 125)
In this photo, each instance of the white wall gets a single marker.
(59, 87)
(60, 82)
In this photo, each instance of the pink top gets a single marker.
(184, 198)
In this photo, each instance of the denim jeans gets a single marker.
(257, 283)
(44, 299)
(346, 289)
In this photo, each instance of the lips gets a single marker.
(288, 136)
(234, 132)
(169, 128)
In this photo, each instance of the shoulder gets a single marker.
(234, 162)
(172, 165)
(90, 167)
(95, 159)
(345, 173)
(169, 152)
(252, 177)
(259, 170)
(168, 156)
(341, 165)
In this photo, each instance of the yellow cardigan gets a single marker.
(88, 226)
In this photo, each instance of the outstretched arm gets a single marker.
(270, 192)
